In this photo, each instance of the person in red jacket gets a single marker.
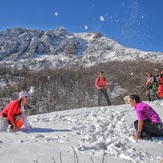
(160, 86)
(101, 84)
(14, 110)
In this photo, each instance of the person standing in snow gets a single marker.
(14, 112)
(160, 86)
(101, 84)
(151, 85)
(149, 123)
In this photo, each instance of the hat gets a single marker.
(23, 94)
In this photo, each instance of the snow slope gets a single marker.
(86, 135)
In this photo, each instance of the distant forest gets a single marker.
(69, 88)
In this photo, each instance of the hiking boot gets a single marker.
(146, 136)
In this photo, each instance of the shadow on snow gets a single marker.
(42, 130)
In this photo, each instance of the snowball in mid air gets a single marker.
(102, 18)
(56, 13)
(86, 27)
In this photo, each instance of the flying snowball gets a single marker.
(32, 90)
(56, 13)
(123, 4)
(86, 27)
(106, 14)
(92, 6)
(102, 18)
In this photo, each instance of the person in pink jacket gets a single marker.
(14, 110)
(149, 123)
(101, 84)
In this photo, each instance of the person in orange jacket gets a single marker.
(13, 111)
(101, 84)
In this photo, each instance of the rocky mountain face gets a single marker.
(57, 48)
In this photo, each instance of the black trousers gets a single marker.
(105, 94)
(151, 128)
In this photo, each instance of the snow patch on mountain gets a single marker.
(57, 48)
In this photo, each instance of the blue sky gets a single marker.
(133, 23)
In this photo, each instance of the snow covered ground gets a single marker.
(86, 135)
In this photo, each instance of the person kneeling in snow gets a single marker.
(149, 123)
(12, 116)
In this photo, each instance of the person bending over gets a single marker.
(149, 123)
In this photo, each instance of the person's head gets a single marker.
(101, 73)
(161, 71)
(134, 99)
(23, 96)
(149, 74)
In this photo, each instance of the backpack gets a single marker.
(154, 86)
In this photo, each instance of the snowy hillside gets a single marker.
(58, 48)
(98, 135)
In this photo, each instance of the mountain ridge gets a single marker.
(38, 49)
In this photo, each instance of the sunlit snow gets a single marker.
(85, 135)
